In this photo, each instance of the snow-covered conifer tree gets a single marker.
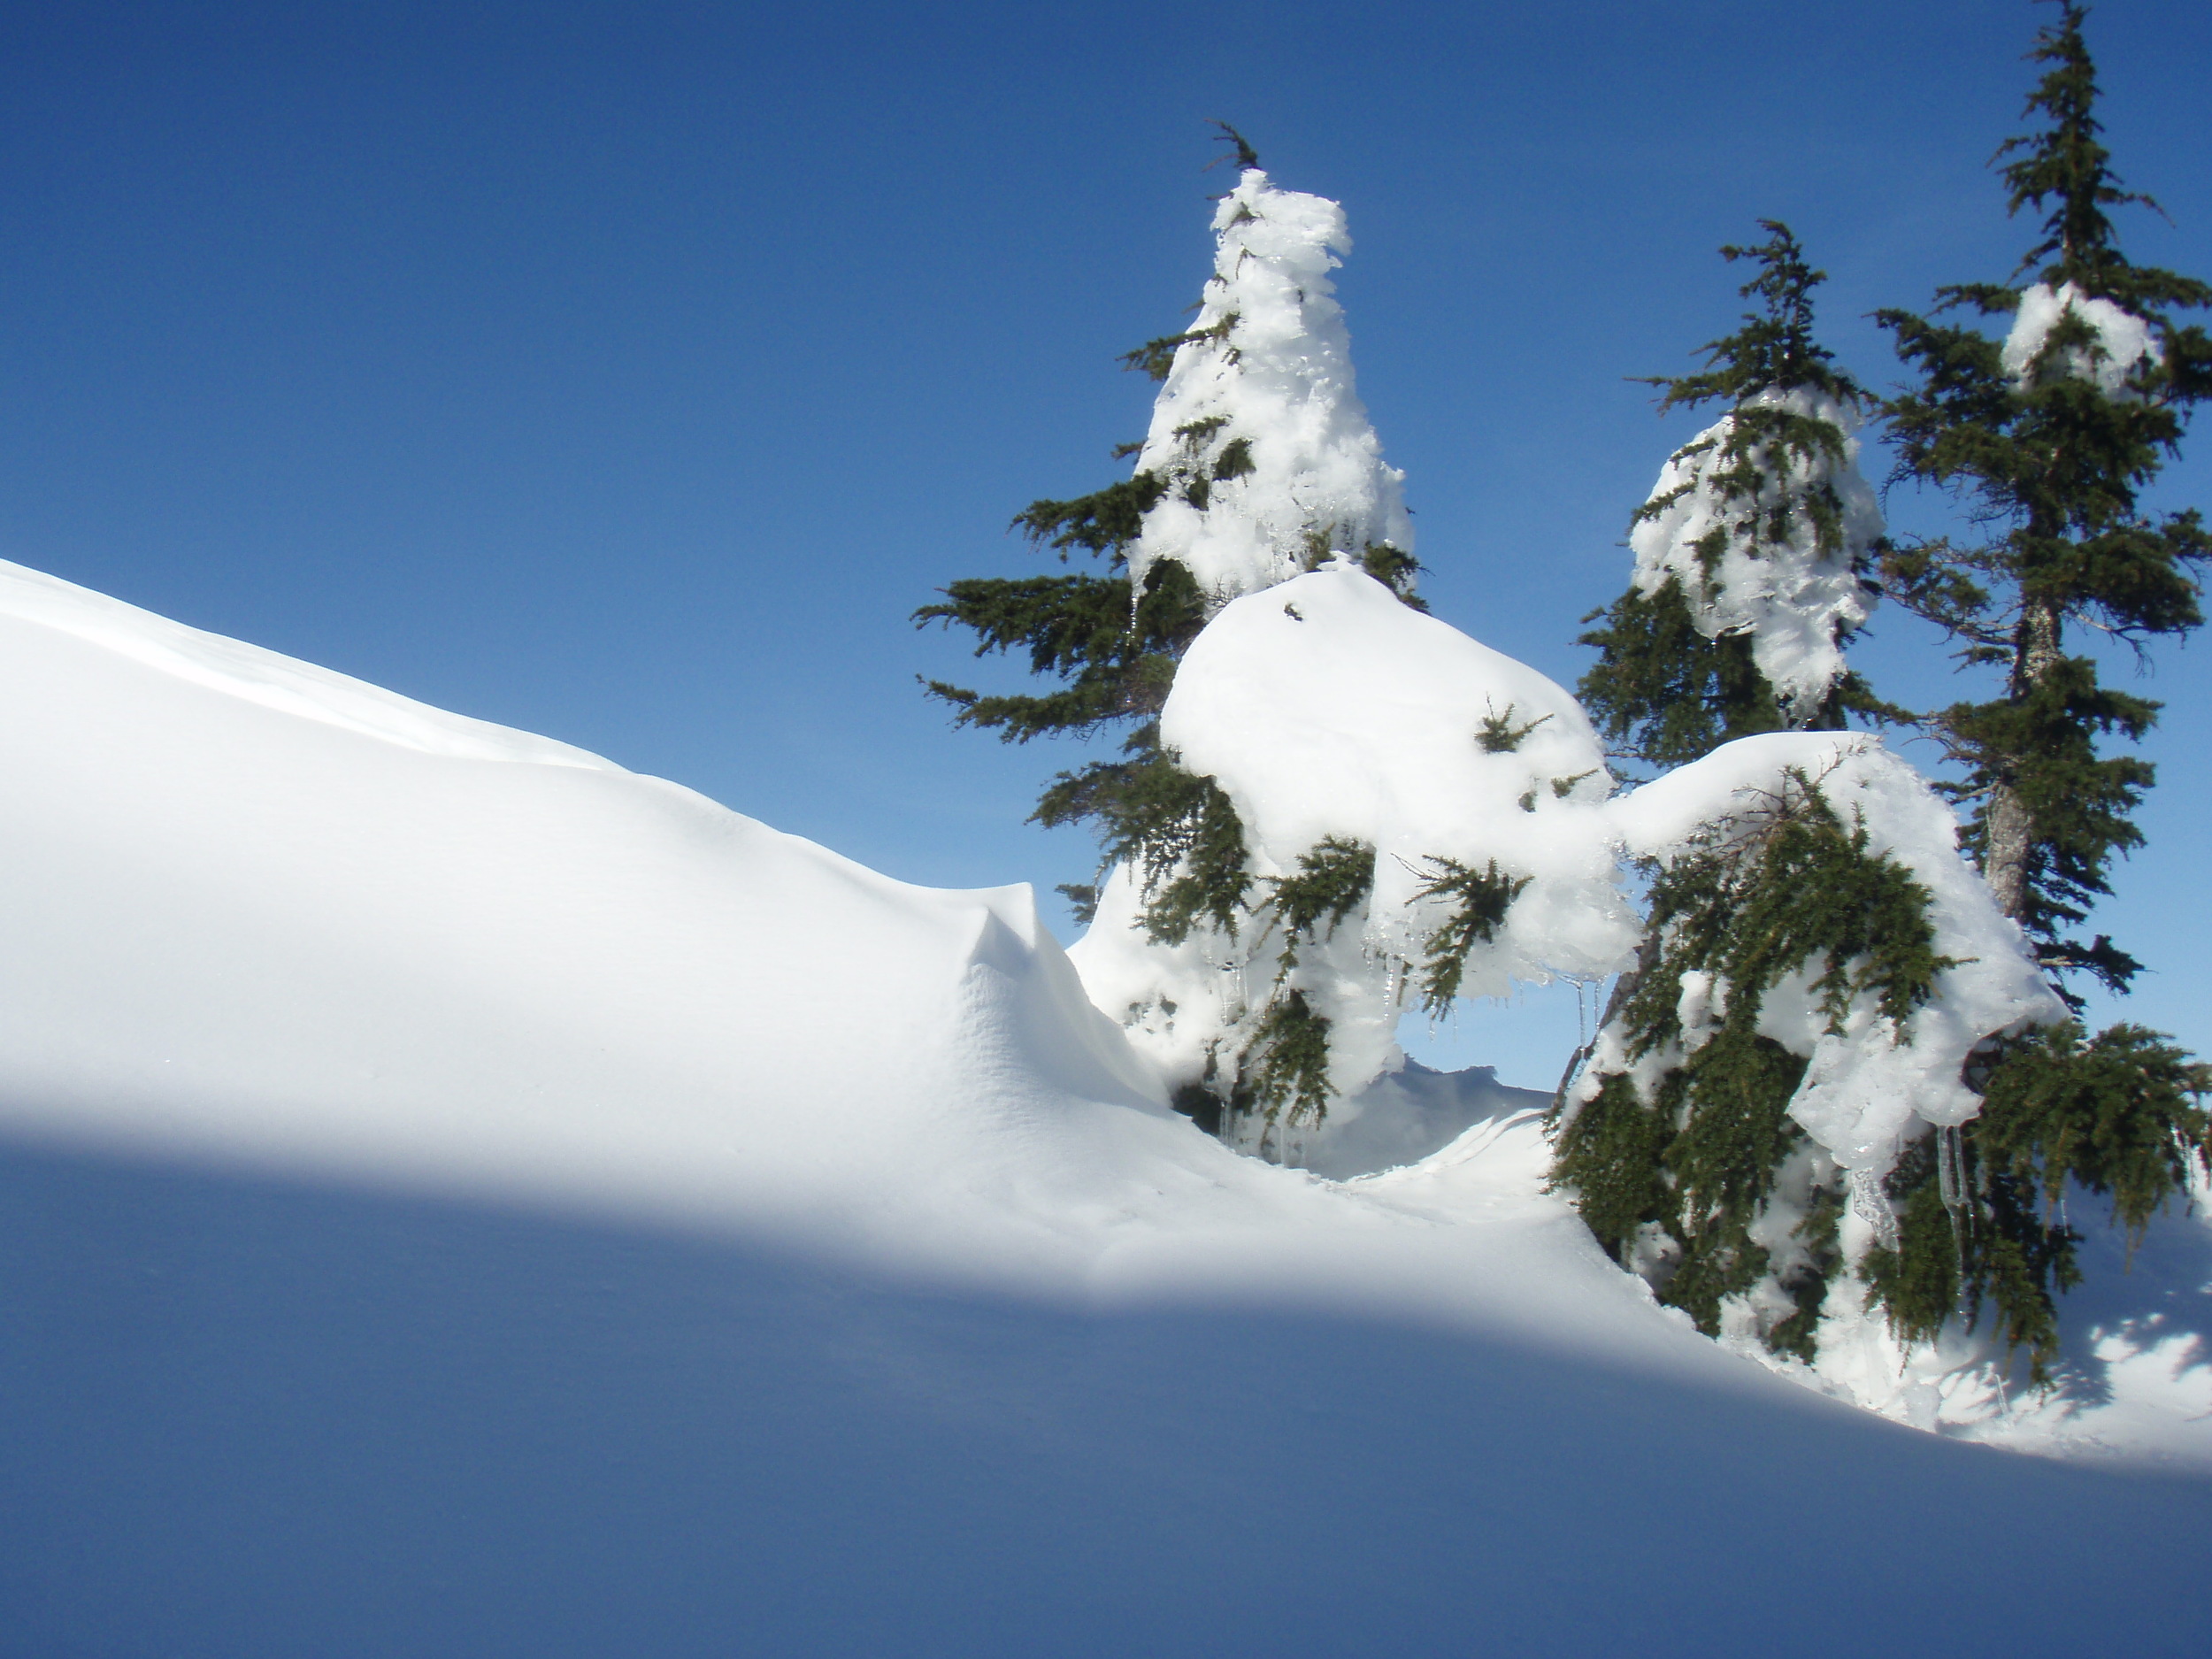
(1838, 1101)
(1259, 464)
(2050, 435)
(1330, 804)
(1753, 550)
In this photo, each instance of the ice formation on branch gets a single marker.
(1263, 447)
(2114, 340)
(1764, 522)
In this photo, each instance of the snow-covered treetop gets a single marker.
(2105, 346)
(1764, 521)
(1264, 446)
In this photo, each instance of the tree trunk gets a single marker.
(2008, 827)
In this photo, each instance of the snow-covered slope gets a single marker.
(459, 1197)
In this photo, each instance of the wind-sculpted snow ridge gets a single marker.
(460, 1197)
(264, 677)
(1258, 425)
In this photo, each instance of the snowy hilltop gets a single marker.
(413, 1120)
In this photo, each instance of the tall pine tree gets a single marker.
(2050, 436)
(1686, 1146)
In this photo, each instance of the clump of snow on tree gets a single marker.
(2121, 339)
(1866, 1084)
(1328, 710)
(1710, 524)
(1257, 430)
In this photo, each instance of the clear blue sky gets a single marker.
(628, 373)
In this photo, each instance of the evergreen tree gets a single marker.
(2051, 434)
(1752, 552)
(1696, 1145)
(2049, 437)
(1259, 465)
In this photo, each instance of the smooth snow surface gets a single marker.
(484, 1203)
(1791, 597)
(2121, 339)
(1269, 386)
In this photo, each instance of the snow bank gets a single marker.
(1258, 411)
(2120, 340)
(1862, 1090)
(1792, 597)
(1325, 707)
(481, 1200)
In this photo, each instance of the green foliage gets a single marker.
(1480, 900)
(1660, 687)
(1774, 349)
(1499, 735)
(1286, 1062)
(1332, 881)
(1112, 666)
(1786, 889)
(1664, 692)
(1989, 1247)
(2120, 1113)
(2054, 466)
(1105, 521)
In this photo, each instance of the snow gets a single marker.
(1792, 597)
(2120, 340)
(458, 1196)
(1864, 1089)
(1323, 707)
(1275, 377)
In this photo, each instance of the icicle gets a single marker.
(1871, 1206)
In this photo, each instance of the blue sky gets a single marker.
(629, 372)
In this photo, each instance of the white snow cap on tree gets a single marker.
(2122, 339)
(1326, 709)
(1257, 429)
(1863, 1087)
(1709, 526)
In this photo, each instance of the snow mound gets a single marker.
(263, 676)
(1325, 708)
(1257, 424)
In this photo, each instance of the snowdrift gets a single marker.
(458, 1196)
